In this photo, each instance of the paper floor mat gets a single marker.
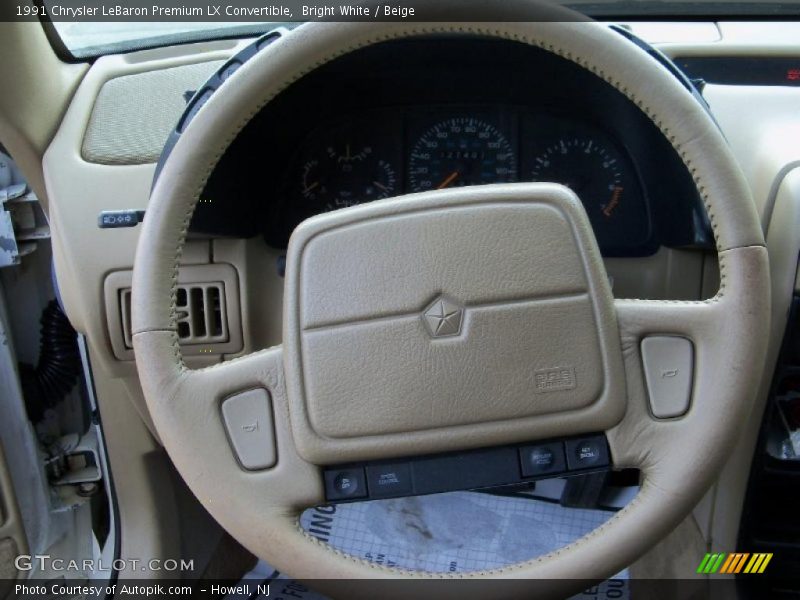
(454, 532)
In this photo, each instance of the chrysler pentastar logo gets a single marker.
(443, 317)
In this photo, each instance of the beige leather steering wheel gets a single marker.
(360, 377)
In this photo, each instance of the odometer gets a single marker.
(460, 151)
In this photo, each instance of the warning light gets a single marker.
(793, 75)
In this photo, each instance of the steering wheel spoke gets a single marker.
(240, 412)
(676, 446)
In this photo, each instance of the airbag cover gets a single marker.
(468, 314)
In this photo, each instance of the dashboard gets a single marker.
(466, 112)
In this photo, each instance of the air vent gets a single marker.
(206, 305)
(200, 310)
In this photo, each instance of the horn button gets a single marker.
(448, 320)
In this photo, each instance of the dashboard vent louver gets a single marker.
(201, 314)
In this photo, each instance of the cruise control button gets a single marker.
(587, 453)
(389, 481)
(668, 364)
(542, 459)
(248, 420)
(345, 484)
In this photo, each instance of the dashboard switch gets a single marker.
(587, 453)
(389, 480)
(114, 219)
(668, 364)
(248, 419)
(542, 459)
(345, 484)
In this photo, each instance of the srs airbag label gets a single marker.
(554, 380)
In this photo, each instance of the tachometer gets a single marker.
(589, 168)
(343, 177)
(603, 178)
(461, 151)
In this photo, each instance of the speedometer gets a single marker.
(461, 151)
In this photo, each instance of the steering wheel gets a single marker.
(362, 375)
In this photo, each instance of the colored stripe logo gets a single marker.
(734, 563)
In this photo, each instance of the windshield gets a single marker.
(711, 9)
(85, 37)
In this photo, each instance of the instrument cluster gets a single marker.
(390, 152)
(389, 120)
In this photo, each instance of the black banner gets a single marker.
(280, 588)
(248, 11)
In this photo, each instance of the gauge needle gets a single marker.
(613, 203)
(447, 180)
(311, 187)
(380, 186)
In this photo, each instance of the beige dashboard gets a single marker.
(103, 155)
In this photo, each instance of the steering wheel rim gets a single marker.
(678, 457)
